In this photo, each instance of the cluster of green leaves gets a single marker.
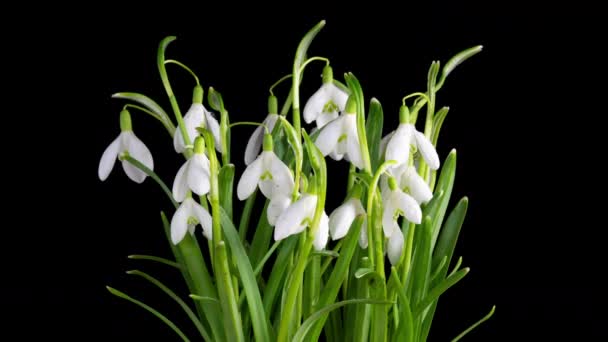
(264, 291)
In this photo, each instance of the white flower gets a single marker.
(340, 139)
(126, 142)
(298, 216)
(397, 203)
(343, 217)
(193, 175)
(269, 173)
(197, 116)
(325, 104)
(395, 247)
(255, 141)
(276, 207)
(186, 217)
(396, 143)
(410, 181)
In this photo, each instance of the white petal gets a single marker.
(108, 158)
(322, 233)
(384, 142)
(398, 148)
(180, 186)
(409, 206)
(363, 236)
(389, 225)
(328, 137)
(281, 175)
(254, 145)
(139, 151)
(417, 186)
(249, 180)
(335, 156)
(427, 150)
(337, 95)
(276, 207)
(326, 117)
(354, 150)
(179, 222)
(214, 127)
(198, 174)
(194, 118)
(314, 105)
(204, 218)
(341, 219)
(290, 221)
(395, 247)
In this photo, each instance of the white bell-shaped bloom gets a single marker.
(409, 181)
(268, 173)
(186, 217)
(397, 203)
(326, 103)
(406, 135)
(278, 204)
(298, 216)
(254, 145)
(197, 116)
(395, 247)
(340, 139)
(194, 176)
(125, 143)
(342, 218)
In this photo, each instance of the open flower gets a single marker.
(409, 181)
(197, 116)
(276, 207)
(255, 141)
(125, 143)
(342, 218)
(326, 103)
(397, 203)
(186, 217)
(395, 247)
(340, 139)
(268, 173)
(298, 216)
(194, 174)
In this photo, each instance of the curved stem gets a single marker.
(374, 234)
(278, 82)
(173, 61)
(312, 59)
(247, 123)
(152, 175)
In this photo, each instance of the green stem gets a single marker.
(152, 175)
(173, 61)
(409, 246)
(246, 215)
(156, 259)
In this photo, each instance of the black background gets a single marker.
(515, 110)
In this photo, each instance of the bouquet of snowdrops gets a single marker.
(284, 280)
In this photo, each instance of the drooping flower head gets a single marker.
(326, 103)
(268, 173)
(194, 174)
(126, 144)
(255, 141)
(299, 215)
(197, 116)
(340, 139)
(185, 219)
(342, 218)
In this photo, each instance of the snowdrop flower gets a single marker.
(340, 138)
(406, 135)
(395, 247)
(194, 174)
(126, 144)
(186, 217)
(268, 173)
(298, 216)
(197, 116)
(276, 207)
(255, 141)
(397, 203)
(409, 181)
(343, 217)
(324, 105)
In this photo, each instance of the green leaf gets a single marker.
(437, 123)
(445, 185)
(259, 319)
(362, 313)
(374, 124)
(149, 104)
(178, 300)
(149, 309)
(449, 234)
(469, 329)
(363, 272)
(301, 58)
(203, 299)
(438, 290)
(226, 179)
(261, 237)
(156, 259)
(338, 275)
(308, 324)
(273, 287)
(406, 327)
(456, 61)
(233, 326)
(421, 268)
(357, 92)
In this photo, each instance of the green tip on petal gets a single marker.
(125, 121)
(404, 114)
(199, 145)
(328, 74)
(351, 105)
(392, 183)
(356, 191)
(273, 105)
(267, 142)
(197, 94)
